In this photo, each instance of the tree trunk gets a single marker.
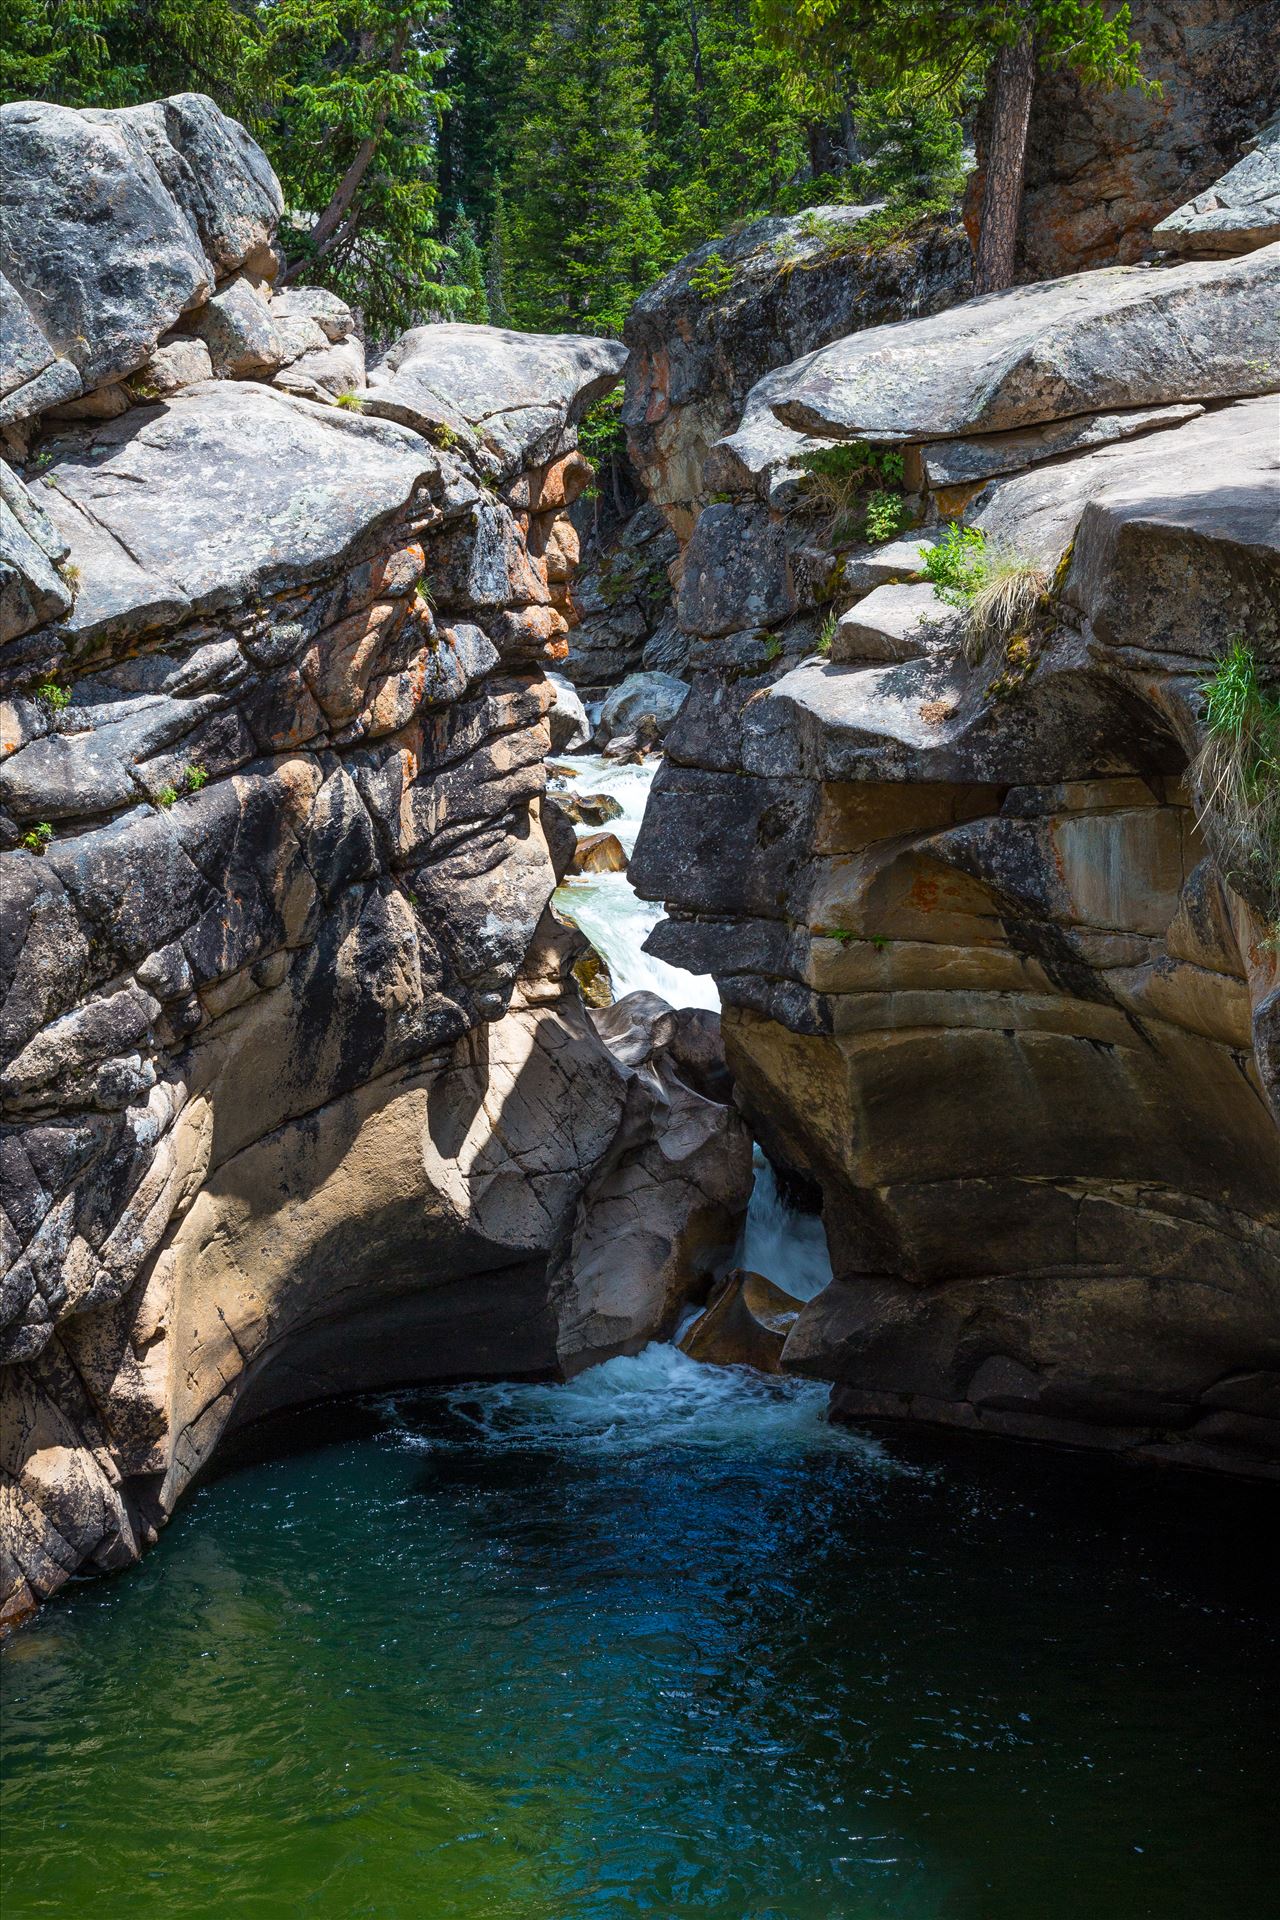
(1012, 83)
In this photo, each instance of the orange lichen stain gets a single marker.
(924, 893)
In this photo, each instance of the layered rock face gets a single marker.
(736, 308)
(296, 1099)
(994, 979)
(1104, 168)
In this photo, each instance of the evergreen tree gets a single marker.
(937, 48)
(495, 271)
(468, 298)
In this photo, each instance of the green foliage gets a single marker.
(601, 435)
(773, 648)
(827, 634)
(53, 696)
(496, 257)
(957, 566)
(712, 277)
(938, 50)
(585, 230)
(886, 516)
(194, 777)
(350, 402)
(37, 838)
(166, 796)
(1236, 777)
(845, 483)
(468, 299)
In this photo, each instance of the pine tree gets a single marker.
(495, 271)
(586, 235)
(468, 299)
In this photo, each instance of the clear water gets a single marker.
(614, 919)
(657, 1643)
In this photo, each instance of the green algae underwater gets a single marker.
(659, 1642)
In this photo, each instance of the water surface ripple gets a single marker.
(660, 1642)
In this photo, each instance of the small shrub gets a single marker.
(886, 516)
(1236, 778)
(71, 575)
(194, 777)
(835, 480)
(827, 634)
(51, 695)
(443, 435)
(712, 278)
(37, 838)
(166, 796)
(350, 402)
(957, 566)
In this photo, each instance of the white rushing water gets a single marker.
(631, 1404)
(605, 905)
(790, 1248)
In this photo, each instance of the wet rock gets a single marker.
(599, 853)
(746, 1324)
(589, 809)
(645, 704)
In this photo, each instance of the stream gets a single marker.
(659, 1642)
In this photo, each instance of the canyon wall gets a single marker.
(1000, 978)
(296, 1098)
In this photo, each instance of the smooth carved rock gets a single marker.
(985, 983)
(746, 1324)
(599, 853)
(1129, 336)
(570, 727)
(1237, 213)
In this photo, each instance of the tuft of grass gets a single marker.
(37, 838)
(166, 796)
(350, 402)
(712, 278)
(53, 696)
(1005, 604)
(1000, 592)
(827, 634)
(1236, 777)
(773, 648)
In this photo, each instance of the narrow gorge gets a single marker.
(640, 1160)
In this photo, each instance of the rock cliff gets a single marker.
(1000, 977)
(297, 1100)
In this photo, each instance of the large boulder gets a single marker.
(570, 727)
(754, 300)
(644, 704)
(514, 392)
(114, 223)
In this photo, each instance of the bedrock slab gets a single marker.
(1120, 337)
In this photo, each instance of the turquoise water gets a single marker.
(657, 1643)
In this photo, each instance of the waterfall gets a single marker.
(790, 1248)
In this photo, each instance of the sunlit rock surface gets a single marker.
(297, 1100)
